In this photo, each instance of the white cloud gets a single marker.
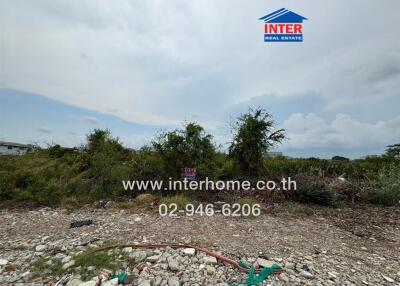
(307, 131)
(161, 62)
(86, 119)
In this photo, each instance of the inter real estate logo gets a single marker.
(283, 26)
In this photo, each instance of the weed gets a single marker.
(180, 200)
(48, 268)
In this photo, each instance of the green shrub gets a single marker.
(48, 268)
(187, 148)
(145, 200)
(180, 200)
(315, 190)
(386, 189)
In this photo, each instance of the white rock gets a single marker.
(210, 269)
(265, 263)
(68, 264)
(174, 281)
(112, 282)
(40, 248)
(127, 249)
(153, 258)
(290, 265)
(388, 279)
(75, 281)
(333, 275)
(138, 256)
(144, 283)
(66, 259)
(88, 283)
(26, 276)
(210, 260)
(173, 264)
(189, 251)
(3, 262)
(306, 274)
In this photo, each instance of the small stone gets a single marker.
(3, 262)
(174, 281)
(68, 264)
(333, 275)
(265, 263)
(210, 260)
(306, 274)
(210, 269)
(26, 276)
(138, 256)
(290, 265)
(88, 283)
(40, 248)
(66, 259)
(189, 251)
(388, 279)
(127, 249)
(153, 258)
(173, 264)
(112, 282)
(74, 281)
(144, 283)
(284, 277)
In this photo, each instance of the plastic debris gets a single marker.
(121, 277)
(80, 223)
(255, 279)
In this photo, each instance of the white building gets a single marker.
(11, 148)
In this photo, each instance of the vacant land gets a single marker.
(346, 246)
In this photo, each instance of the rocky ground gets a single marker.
(336, 247)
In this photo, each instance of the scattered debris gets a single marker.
(80, 223)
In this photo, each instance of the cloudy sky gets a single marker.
(138, 67)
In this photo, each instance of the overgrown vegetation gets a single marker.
(254, 135)
(75, 176)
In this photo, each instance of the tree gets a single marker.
(393, 151)
(340, 158)
(190, 147)
(254, 135)
(104, 162)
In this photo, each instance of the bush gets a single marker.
(254, 135)
(315, 190)
(180, 200)
(187, 148)
(386, 189)
(146, 200)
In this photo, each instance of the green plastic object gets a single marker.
(121, 277)
(253, 278)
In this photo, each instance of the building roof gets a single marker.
(283, 16)
(4, 143)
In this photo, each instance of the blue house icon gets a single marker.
(283, 16)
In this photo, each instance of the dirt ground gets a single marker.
(359, 246)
